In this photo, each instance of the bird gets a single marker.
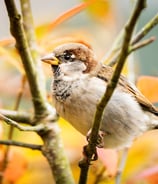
(78, 84)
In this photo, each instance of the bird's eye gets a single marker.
(68, 56)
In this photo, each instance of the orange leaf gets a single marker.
(11, 58)
(6, 42)
(1, 131)
(148, 85)
(16, 167)
(68, 14)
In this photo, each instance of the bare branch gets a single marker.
(44, 113)
(91, 147)
(132, 48)
(21, 144)
(112, 57)
(115, 49)
(17, 30)
(141, 44)
(21, 117)
(29, 28)
(11, 128)
(53, 150)
(36, 128)
(145, 30)
(31, 39)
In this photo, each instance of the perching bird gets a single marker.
(78, 84)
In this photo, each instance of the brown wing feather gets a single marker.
(106, 72)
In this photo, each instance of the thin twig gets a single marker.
(20, 117)
(142, 44)
(20, 92)
(114, 49)
(145, 30)
(112, 58)
(21, 144)
(36, 128)
(11, 129)
(132, 48)
(91, 147)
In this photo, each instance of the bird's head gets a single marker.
(72, 59)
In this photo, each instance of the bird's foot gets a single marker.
(87, 154)
(100, 139)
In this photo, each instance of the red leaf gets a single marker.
(149, 175)
(109, 159)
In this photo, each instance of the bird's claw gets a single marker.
(100, 139)
(86, 153)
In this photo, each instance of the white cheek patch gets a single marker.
(72, 69)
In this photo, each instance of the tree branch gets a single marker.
(44, 113)
(21, 117)
(11, 128)
(16, 28)
(139, 45)
(145, 30)
(29, 28)
(52, 149)
(21, 144)
(36, 128)
(54, 152)
(112, 57)
(31, 39)
(91, 147)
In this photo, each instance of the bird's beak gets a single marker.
(50, 59)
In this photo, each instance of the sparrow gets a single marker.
(80, 81)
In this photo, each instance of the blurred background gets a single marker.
(97, 25)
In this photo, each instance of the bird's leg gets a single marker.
(121, 165)
(100, 144)
(100, 139)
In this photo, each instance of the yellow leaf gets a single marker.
(101, 10)
(11, 58)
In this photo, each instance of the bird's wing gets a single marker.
(105, 74)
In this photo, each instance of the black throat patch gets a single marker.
(61, 90)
